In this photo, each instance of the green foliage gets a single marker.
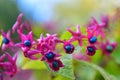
(99, 69)
(65, 35)
(67, 70)
(37, 64)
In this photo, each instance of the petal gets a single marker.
(9, 57)
(2, 57)
(5, 64)
(33, 52)
(3, 33)
(8, 34)
(15, 26)
(4, 46)
(94, 20)
(25, 49)
(20, 17)
(15, 57)
(30, 37)
(72, 32)
(18, 45)
(23, 38)
(33, 57)
(78, 28)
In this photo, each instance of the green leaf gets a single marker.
(99, 69)
(66, 35)
(58, 77)
(42, 75)
(67, 70)
(37, 64)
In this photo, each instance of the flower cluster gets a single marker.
(45, 46)
(8, 67)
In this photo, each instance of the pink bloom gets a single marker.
(42, 45)
(9, 67)
(17, 23)
(92, 38)
(69, 48)
(108, 48)
(27, 41)
(55, 65)
(77, 35)
(52, 41)
(31, 54)
(50, 56)
(47, 43)
(97, 27)
(91, 50)
(7, 42)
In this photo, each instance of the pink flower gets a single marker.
(52, 41)
(31, 54)
(108, 48)
(9, 67)
(55, 65)
(42, 45)
(17, 23)
(50, 56)
(27, 41)
(47, 43)
(77, 35)
(98, 28)
(6, 41)
(91, 50)
(92, 37)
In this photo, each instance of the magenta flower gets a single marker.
(47, 43)
(98, 28)
(52, 41)
(91, 50)
(17, 23)
(9, 67)
(6, 41)
(68, 48)
(50, 56)
(31, 54)
(77, 35)
(27, 41)
(92, 38)
(42, 45)
(108, 48)
(55, 65)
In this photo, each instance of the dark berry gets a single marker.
(109, 48)
(55, 64)
(93, 39)
(69, 48)
(91, 50)
(27, 43)
(50, 55)
(5, 40)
